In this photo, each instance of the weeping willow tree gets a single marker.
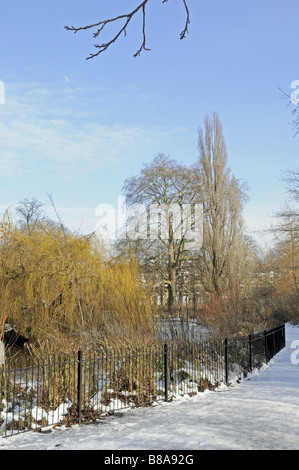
(59, 288)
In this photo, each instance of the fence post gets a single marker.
(284, 336)
(226, 359)
(250, 353)
(266, 345)
(79, 390)
(166, 370)
(280, 337)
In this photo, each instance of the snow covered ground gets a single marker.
(259, 413)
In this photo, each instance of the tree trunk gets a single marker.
(171, 271)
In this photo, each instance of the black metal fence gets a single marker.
(74, 388)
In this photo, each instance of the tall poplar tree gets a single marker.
(222, 195)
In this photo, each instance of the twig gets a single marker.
(185, 30)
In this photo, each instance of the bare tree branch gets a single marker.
(100, 25)
(291, 178)
(292, 101)
(143, 33)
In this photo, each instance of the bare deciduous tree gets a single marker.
(126, 18)
(286, 233)
(30, 212)
(168, 187)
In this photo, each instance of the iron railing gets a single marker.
(75, 388)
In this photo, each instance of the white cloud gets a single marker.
(39, 130)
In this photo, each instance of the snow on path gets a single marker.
(259, 413)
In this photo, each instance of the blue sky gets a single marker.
(77, 128)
